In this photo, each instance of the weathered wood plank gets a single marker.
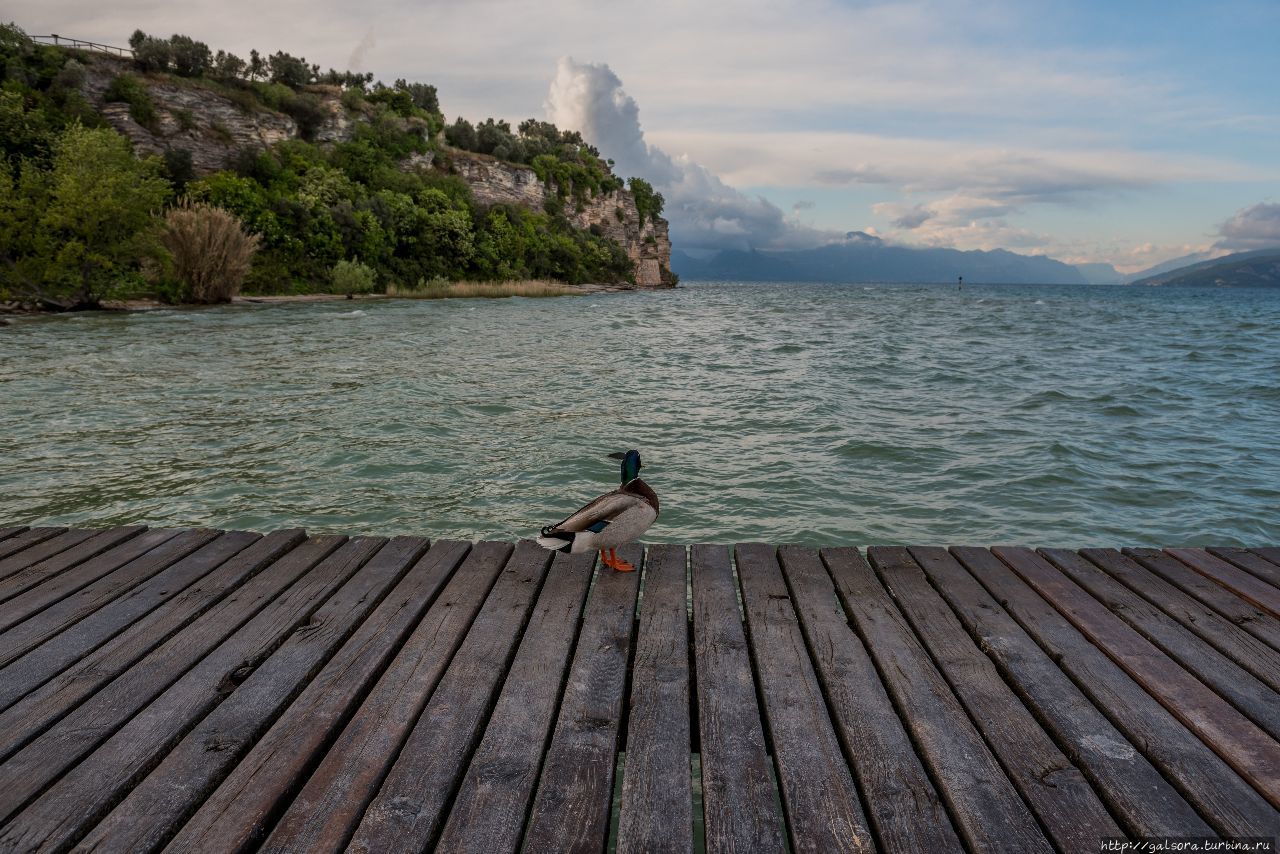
(656, 813)
(823, 810)
(1051, 784)
(72, 683)
(20, 551)
(138, 559)
(79, 799)
(325, 813)
(571, 807)
(408, 809)
(986, 808)
(1224, 799)
(1135, 791)
(1239, 741)
(238, 813)
(1233, 578)
(35, 664)
(488, 814)
(1246, 693)
(1244, 614)
(228, 630)
(1260, 659)
(12, 531)
(738, 794)
(65, 551)
(1254, 563)
(901, 802)
(154, 809)
(1271, 553)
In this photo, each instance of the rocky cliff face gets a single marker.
(215, 128)
(613, 215)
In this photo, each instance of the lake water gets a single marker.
(847, 414)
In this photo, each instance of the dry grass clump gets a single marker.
(210, 249)
(443, 289)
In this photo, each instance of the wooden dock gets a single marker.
(201, 690)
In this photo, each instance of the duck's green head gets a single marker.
(630, 465)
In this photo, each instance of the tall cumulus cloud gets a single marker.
(705, 213)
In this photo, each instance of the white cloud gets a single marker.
(1254, 227)
(705, 213)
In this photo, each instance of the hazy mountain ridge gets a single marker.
(863, 257)
(1257, 268)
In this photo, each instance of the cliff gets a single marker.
(212, 123)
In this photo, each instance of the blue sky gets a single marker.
(1125, 132)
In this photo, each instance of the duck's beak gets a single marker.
(620, 455)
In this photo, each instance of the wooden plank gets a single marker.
(737, 784)
(1223, 798)
(657, 789)
(20, 552)
(155, 808)
(1260, 703)
(408, 809)
(34, 666)
(325, 813)
(1260, 659)
(238, 813)
(72, 580)
(223, 639)
(1249, 587)
(1239, 741)
(488, 814)
(1137, 793)
(823, 810)
(72, 683)
(11, 531)
(571, 807)
(901, 802)
(64, 552)
(986, 808)
(1051, 784)
(1254, 563)
(138, 559)
(1246, 615)
(63, 813)
(1271, 553)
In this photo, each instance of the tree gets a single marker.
(648, 203)
(228, 66)
(257, 68)
(72, 233)
(190, 58)
(461, 134)
(292, 71)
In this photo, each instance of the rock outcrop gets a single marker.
(214, 126)
(612, 215)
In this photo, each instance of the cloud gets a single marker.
(913, 218)
(1254, 227)
(705, 213)
(803, 205)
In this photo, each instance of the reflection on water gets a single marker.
(802, 413)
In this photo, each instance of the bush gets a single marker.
(126, 89)
(178, 168)
(352, 277)
(210, 249)
(150, 54)
(648, 203)
(291, 71)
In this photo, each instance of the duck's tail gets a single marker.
(556, 541)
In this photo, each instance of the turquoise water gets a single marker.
(805, 413)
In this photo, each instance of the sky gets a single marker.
(1092, 131)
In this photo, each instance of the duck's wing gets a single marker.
(600, 510)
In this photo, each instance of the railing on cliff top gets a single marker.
(63, 41)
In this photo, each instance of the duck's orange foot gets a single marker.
(611, 560)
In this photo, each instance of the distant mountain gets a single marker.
(862, 257)
(1166, 266)
(1257, 269)
(1100, 274)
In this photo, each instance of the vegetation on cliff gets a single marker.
(82, 217)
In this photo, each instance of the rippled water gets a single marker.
(808, 413)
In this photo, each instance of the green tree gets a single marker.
(648, 202)
(76, 230)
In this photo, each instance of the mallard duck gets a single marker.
(609, 521)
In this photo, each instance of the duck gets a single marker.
(608, 521)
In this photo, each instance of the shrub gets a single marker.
(352, 277)
(292, 71)
(185, 118)
(150, 54)
(210, 249)
(178, 168)
(126, 89)
(648, 203)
